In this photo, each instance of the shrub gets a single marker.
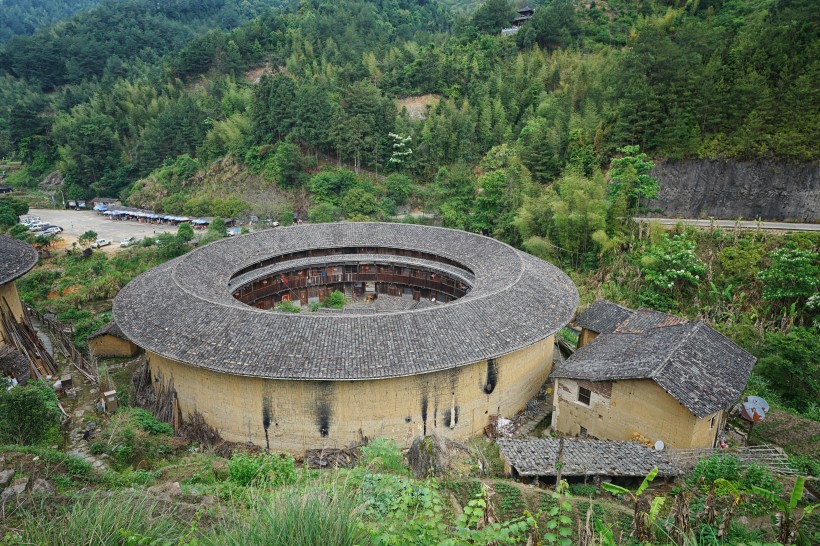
(247, 469)
(717, 466)
(286, 306)
(336, 300)
(583, 489)
(27, 414)
(382, 454)
(149, 423)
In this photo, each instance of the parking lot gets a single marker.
(75, 223)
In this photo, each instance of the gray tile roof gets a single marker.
(16, 258)
(110, 329)
(603, 316)
(537, 457)
(184, 309)
(699, 367)
(14, 362)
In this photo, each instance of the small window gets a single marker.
(583, 432)
(712, 422)
(584, 395)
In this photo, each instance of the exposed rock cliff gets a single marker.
(693, 188)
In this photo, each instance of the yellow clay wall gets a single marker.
(636, 408)
(8, 292)
(108, 345)
(454, 403)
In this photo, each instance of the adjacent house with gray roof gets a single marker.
(649, 376)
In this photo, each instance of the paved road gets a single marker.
(75, 223)
(745, 224)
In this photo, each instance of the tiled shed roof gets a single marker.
(110, 329)
(603, 316)
(537, 457)
(184, 309)
(699, 367)
(16, 258)
(14, 362)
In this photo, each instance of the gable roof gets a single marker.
(699, 367)
(110, 329)
(537, 457)
(16, 258)
(603, 316)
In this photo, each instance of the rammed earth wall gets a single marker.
(695, 188)
(301, 415)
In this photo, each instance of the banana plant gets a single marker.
(789, 524)
(641, 521)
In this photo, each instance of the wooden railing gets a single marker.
(85, 363)
(765, 455)
(278, 286)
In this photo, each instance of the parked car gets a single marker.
(99, 243)
(29, 220)
(53, 230)
(128, 242)
(37, 226)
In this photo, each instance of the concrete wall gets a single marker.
(627, 410)
(108, 345)
(8, 293)
(316, 414)
(691, 188)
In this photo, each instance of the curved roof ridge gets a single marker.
(185, 310)
(16, 258)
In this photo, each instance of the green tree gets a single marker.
(568, 221)
(553, 25)
(287, 165)
(330, 184)
(10, 211)
(398, 187)
(493, 15)
(185, 232)
(630, 178)
(27, 414)
(670, 267)
(87, 237)
(793, 277)
(216, 230)
(323, 213)
(360, 202)
(789, 362)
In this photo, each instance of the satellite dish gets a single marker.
(758, 402)
(752, 412)
(659, 445)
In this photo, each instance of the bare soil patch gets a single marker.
(417, 106)
(793, 433)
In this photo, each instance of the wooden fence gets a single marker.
(765, 455)
(61, 333)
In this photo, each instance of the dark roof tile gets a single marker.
(537, 457)
(16, 258)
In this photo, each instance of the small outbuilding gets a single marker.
(538, 458)
(110, 341)
(107, 201)
(650, 376)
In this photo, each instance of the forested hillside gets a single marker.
(368, 110)
(21, 17)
